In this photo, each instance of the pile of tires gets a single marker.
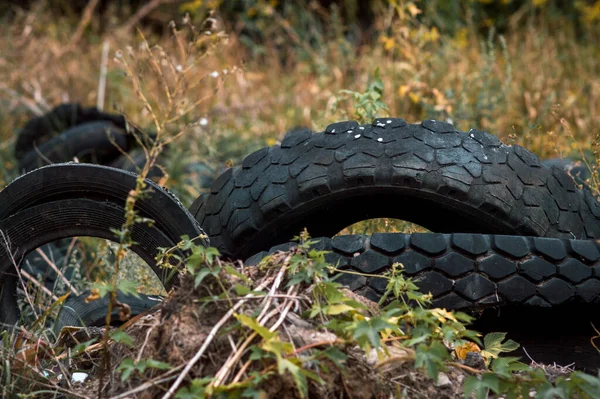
(506, 229)
(67, 200)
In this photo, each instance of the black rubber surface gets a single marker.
(470, 270)
(63, 117)
(43, 223)
(76, 312)
(101, 183)
(134, 161)
(89, 142)
(429, 174)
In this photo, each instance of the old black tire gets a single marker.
(65, 116)
(429, 173)
(49, 221)
(469, 271)
(92, 142)
(101, 183)
(79, 313)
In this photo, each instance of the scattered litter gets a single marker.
(357, 136)
(380, 139)
(79, 377)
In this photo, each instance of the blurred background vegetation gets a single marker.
(524, 70)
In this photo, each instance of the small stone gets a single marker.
(443, 381)
(380, 139)
(357, 136)
(475, 360)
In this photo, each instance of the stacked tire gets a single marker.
(67, 200)
(507, 229)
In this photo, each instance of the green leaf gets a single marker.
(547, 391)
(155, 364)
(253, 324)
(128, 287)
(126, 368)
(337, 309)
(121, 337)
(431, 358)
(284, 365)
(493, 344)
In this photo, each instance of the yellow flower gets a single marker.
(462, 350)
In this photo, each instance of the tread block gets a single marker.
(473, 244)
(551, 248)
(255, 259)
(514, 246)
(452, 156)
(349, 244)
(526, 156)
(474, 287)
(516, 289)
(589, 290)
(434, 283)
(574, 270)
(438, 126)
(389, 243)
(451, 301)
(253, 158)
(484, 138)
(439, 141)
(430, 243)
(564, 179)
(454, 264)
(378, 284)
(556, 291)
(474, 168)
(587, 249)
(538, 269)
(538, 302)
(295, 137)
(565, 200)
(413, 262)
(389, 123)
(370, 262)
(337, 259)
(283, 247)
(352, 281)
(341, 127)
(221, 181)
(497, 267)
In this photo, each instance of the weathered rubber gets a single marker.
(469, 270)
(102, 183)
(43, 223)
(63, 117)
(79, 313)
(92, 142)
(429, 173)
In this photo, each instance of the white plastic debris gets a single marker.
(79, 377)
(380, 139)
(203, 122)
(357, 136)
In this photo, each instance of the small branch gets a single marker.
(57, 270)
(83, 23)
(102, 79)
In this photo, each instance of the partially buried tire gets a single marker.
(430, 174)
(79, 313)
(468, 271)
